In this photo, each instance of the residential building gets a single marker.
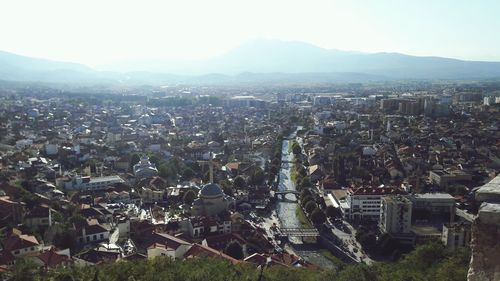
(433, 206)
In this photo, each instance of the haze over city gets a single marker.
(98, 33)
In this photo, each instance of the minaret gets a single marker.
(211, 167)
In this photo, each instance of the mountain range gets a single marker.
(254, 62)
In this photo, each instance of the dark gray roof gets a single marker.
(211, 190)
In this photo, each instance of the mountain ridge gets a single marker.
(266, 60)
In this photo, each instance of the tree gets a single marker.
(317, 216)
(306, 199)
(339, 170)
(305, 182)
(167, 170)
(134, 160)
(187, 173)
(306, 192)
(310, 206)
(65, 239)
(333, 212)
(258, 177)
(155, 159)
(296, 149)
(239, 182)
(366, 237)
(234, 250)
(22, 270)
(189, 197)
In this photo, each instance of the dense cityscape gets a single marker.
(231, 140)
(316, 177)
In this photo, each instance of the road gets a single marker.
(350, 245)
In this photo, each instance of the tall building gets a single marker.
(395, 215)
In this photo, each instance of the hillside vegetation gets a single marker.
(427, 262)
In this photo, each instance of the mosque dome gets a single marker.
(211, 190)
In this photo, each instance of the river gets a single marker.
(286, 210)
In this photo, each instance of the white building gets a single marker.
(395, 215)
(88, 183)
(24, 143)
(92, 233)
(167, 245)
(364, 202)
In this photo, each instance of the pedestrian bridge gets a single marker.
(281, 195)
(285, 192)
(299, 232)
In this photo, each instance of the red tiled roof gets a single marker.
(16, 242)
(220, 241)
(166, 240)
(6, 257)
(52, 259)
(198, 250)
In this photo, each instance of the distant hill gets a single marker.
(257, 61)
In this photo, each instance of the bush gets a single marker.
(333, 212)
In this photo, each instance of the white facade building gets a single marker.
(395, 215)
(364, 203)
(88, 183)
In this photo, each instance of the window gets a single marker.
(94, 237)
(16, 252)
(102, 236)
(32, 248)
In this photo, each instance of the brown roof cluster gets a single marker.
(198, 250)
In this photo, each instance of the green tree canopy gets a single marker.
(310, 206)
(317, 216)
(239, 182)
(333, 212)
(189, 197)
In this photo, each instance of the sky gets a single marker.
(99, 32)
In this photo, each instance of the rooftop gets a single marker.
(434, 196)
(489, 191)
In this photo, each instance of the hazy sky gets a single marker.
(102, 31)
